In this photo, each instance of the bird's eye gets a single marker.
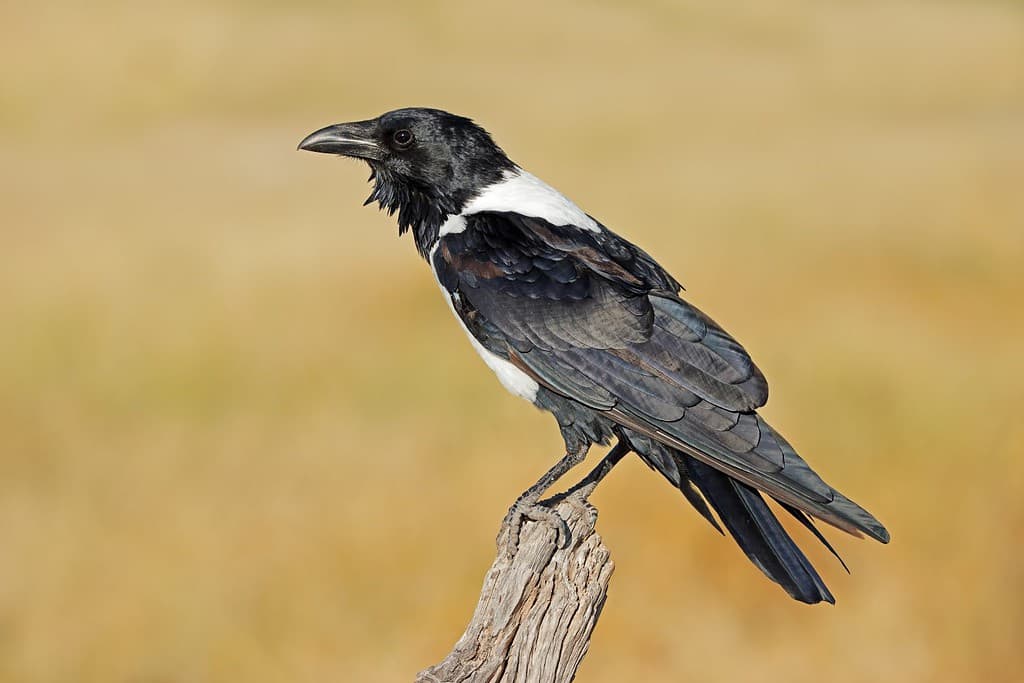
(402, 138)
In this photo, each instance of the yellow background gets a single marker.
(241, 438)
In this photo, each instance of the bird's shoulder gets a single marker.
(533, 257)
(547, 285)
(562, 295)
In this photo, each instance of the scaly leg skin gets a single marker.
(579, 495)
(528, 505)
(586, 486)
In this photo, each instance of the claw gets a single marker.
(521, 510)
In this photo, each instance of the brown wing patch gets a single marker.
(465, 263)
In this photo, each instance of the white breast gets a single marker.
(511, 377)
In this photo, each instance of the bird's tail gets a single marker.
(746, 517)
(759, 533)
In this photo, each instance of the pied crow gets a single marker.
(586, 325)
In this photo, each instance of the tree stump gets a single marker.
(538, 607)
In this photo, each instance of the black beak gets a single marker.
(348, 139)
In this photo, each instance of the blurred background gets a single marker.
(241, 438)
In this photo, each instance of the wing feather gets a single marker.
(593, 318)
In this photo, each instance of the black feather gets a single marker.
(759, 533)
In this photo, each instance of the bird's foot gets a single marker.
(579, 499)
(534, 511)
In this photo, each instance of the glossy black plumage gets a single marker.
(612, 334)
(591, 328)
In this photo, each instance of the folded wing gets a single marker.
(594, 318)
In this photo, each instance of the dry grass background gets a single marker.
(242, 440)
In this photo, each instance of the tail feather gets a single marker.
(806, 521)
(667, 461)
(759, 533)
(693, 495)
(745, 514)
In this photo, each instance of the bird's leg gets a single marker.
(528, 505)
(586, 486)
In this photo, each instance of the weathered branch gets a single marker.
(537, 608)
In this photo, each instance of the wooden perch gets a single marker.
(537, 608)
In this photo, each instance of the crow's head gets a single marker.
(426, 163)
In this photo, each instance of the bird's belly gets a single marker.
(511, 377)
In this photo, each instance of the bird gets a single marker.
(587, 326)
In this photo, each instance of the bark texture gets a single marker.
(537, 609)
